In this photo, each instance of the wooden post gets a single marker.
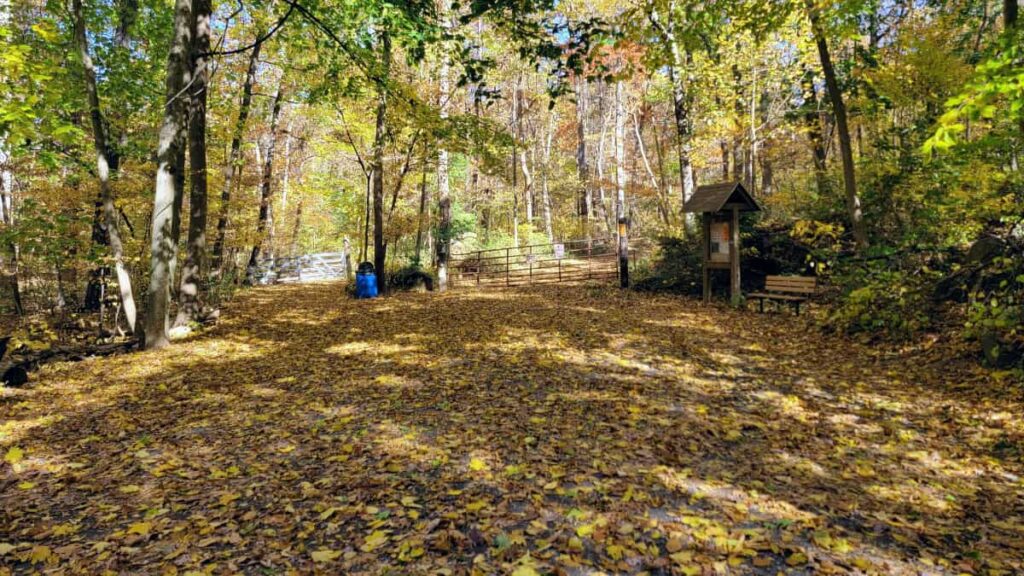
(506, 267)
(734, 258)
(706, 257)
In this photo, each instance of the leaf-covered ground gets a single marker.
(565, 430)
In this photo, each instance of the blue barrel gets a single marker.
(366, 285)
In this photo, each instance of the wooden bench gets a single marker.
(792, 289)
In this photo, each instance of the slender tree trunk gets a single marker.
(170, 181)
(367, 207)
(853, 204)
(109, 222)
(192, 272)
(293, 249)
(379, 248)
(265, 221)
(585, 204)
(601, 200)
(812, 117)
(527, 185)
(545, 191)
(232, 165)
(421, 220)
(662, 208)
(1011, 13)
(682, 105)
(621, 181)
(7, 220)
(444, 203)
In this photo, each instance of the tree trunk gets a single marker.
(682, 104)
(601, 201)
(1011, 12)
(812, 117)
(367, 206)
(421, 221)
(842, 128)
(232, 164)
(265, 220)
(109, 222)
(379, 248)
(527, 185)
(170, 181)
(662, 208)
(585, 204)
(620, 185)
(444, 206)
(293, 249)
(545, 192)
(192, 272)
(7, 220)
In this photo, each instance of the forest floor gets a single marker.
(566, 430)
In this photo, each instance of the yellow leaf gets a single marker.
(477, 506)
(324, 555)
(26, 485)
(797, 559)
(140, 528)
(130, 489)
(525, 571)
(682, 557)
(615, 551)
(409, 502)
(40, 554)
(14, 455)
(585, 530)
(226, 499)
(477, 465)
(674, 545)
(329, 512)
(5, 548)
(375, 540)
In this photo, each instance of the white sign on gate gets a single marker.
(559, 251)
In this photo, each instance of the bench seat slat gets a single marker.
(770, 296)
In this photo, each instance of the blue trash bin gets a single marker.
(366, 285)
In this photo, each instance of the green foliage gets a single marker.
(676, 268)
(994, 96)
(995, 316)
(883, 302)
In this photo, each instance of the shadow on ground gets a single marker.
(571, 430)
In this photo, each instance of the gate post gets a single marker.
(506, 267)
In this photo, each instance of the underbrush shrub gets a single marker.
(676, 268)
(879, 303)
(995, 312)
(410, 278)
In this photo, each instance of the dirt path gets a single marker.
(564, 430)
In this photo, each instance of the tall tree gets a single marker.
(444, 202)
(232, 166)
(621, 183)
(170, 181)
(585, 202)
(853, 205)
(682, 101)
(193, 270)
(109, 221)
(379, 138)
(265, 220)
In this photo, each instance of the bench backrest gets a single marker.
(791, 284)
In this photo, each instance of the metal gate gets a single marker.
(563, 262)
(307, 268)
